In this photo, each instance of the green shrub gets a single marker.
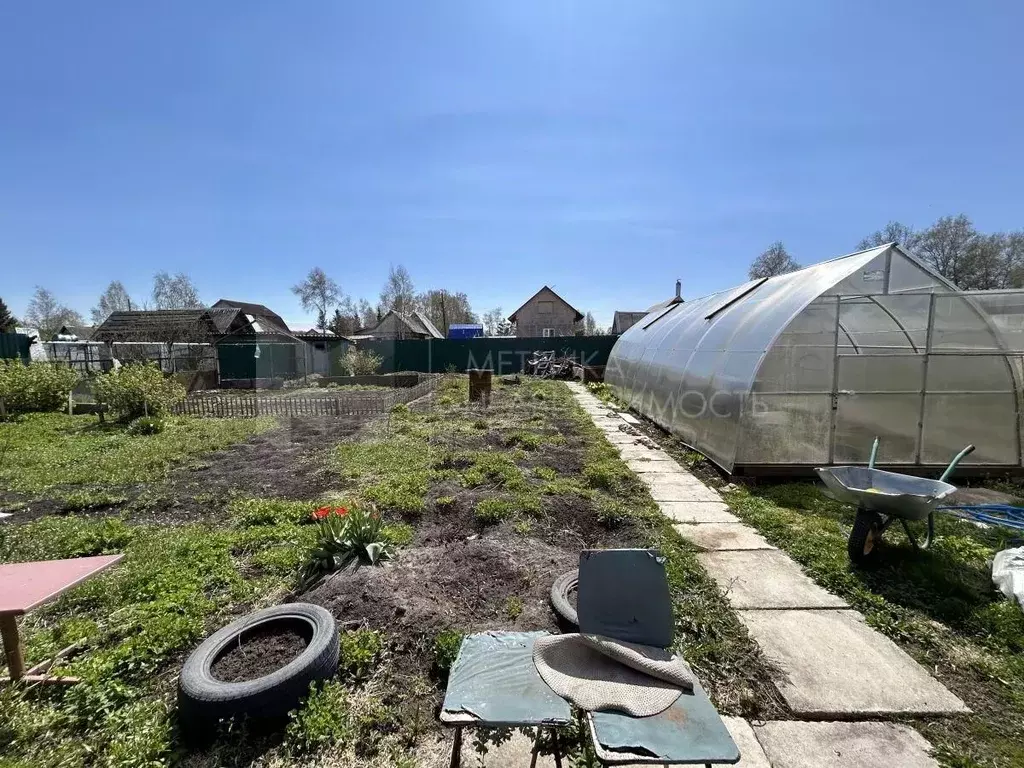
(359, 362)
(514, 608)
(490, 511)
(146, 425)
(324, 720)
(359, 650)
(399, 534)
(446, 649)
(35, 387)
(138, 389)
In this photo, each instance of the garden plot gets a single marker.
(482, 509)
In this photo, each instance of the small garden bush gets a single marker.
(359, 362)
(359, 650)
(446, 649)
(146, 425)
(490, 511)
(35, 387)
(138, 389)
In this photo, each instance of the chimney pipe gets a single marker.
(679, 289)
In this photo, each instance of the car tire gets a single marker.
(560, 590)
(203, 700)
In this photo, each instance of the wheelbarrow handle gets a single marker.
(956, 460)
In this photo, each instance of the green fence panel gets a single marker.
(239, 361)
(503, 355)
(14, 346)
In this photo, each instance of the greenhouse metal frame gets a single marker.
(805, 369)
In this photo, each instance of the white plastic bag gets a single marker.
(1008, 574)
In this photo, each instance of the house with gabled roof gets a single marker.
(398, 325)
(545, 314)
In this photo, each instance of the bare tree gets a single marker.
(398, 292)
(590, 326)
(318, 293)
(114, 299)
(445, 308)
(774, 261)
(47, 315)
(175, 292)
(893, 232)
(367, 314)
(491, 320)
(947, 246)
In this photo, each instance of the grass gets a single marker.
(77, 458)
(938, 605)
(137, 621)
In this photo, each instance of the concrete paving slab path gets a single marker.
(722, 536)
(795, 744)
(641, 466)
(514, 753)
(751, 754)
(697, 512)
(677, 488)
(765, 578)
(640, 451)
(838, 666)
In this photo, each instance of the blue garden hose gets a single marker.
(990, 514)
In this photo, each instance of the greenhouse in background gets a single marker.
(806, 369)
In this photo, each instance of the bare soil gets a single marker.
(260, 652)
(284, 462)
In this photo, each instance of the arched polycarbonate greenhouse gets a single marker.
(806, 369)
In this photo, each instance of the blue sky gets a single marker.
(604, 148)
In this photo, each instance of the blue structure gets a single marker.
(465, 331)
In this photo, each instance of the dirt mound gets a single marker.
(466, 584)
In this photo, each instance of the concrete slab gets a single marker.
(514, 753)
(837, 666)
(794, 744)
(751, 754)
(641, 466)
(697, 512)
(677, 487)
(765, 578)
(629, 418)
(640, 451)
(722, 536)
(618, 437)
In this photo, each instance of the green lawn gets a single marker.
(55, 452)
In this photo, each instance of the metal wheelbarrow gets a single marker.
(884, 497)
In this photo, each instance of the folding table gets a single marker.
(494, 684)
(24, 586)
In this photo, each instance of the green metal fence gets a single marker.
(262, 360)
(506, 354)
(14, 346)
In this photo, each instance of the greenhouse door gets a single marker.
(877, 396)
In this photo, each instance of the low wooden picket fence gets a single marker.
(251, 406)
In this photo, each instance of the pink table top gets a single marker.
(24, 586)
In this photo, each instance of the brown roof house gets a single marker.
(623, 321)
(397, 325)
(546, 314)
(262, 318)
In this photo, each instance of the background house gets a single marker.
(262, 318)
(625, 320)
(395, 325)
(546, 314)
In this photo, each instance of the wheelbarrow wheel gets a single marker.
(865, 537)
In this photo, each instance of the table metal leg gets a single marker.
(12, 646)
(558, 747)
(456, 748)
